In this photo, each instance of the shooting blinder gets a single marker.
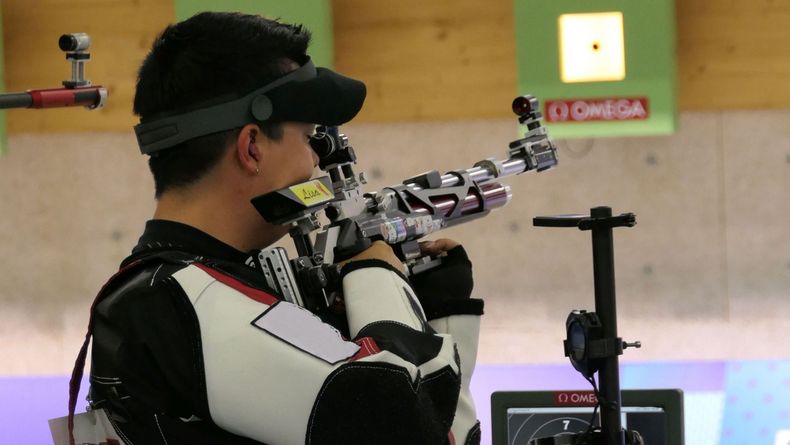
(307, 94)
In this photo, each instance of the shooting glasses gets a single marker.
(307, 94)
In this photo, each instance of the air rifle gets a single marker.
(399, 215)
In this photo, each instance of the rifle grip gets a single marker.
(350, 241)
(346, 252)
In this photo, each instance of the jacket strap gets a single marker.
(124, 273)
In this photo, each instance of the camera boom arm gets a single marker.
(75, 91)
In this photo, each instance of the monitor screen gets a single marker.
(520, 416)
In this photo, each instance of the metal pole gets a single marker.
(609, 374)
(16, 100)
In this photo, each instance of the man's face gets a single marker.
(284, 162)
(290, 160)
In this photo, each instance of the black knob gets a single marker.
(317, 279)
(524, 105)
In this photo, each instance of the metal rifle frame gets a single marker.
(399, 215)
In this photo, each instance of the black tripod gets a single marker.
(592, 343)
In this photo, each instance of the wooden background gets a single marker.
(422, 61)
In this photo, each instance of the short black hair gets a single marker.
(211, 57)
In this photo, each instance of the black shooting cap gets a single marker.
(307, 94)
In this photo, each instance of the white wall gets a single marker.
(704, 274)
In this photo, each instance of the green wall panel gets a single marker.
(316, 15)
(649, 32)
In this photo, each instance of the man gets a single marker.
(190, 346)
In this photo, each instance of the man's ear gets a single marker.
(247, 150)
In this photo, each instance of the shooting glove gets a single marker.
(446, 290)
(445, 294)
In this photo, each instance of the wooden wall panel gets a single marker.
(733, 54)
(421, 60)
(121, 33)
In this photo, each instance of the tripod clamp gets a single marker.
(586, 346)
(585, 222)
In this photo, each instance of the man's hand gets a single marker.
(379, 250)
(452, 280)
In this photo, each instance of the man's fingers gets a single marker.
(437, 247)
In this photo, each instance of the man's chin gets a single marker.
(269, 234)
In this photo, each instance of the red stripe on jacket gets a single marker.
(367, 346)
(251, 292)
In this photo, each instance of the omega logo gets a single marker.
(578, 398)
(582, 110)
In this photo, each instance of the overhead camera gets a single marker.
(76, 48)
(74, 42)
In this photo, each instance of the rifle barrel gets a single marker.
(481, 175)
(495, 195)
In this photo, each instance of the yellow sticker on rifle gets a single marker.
(312, 192)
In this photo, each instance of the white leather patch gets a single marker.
(194, 281)
(89, 427)
(303, 330)
(374, 294)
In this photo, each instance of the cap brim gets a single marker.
(327, 99)
(307, 94)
